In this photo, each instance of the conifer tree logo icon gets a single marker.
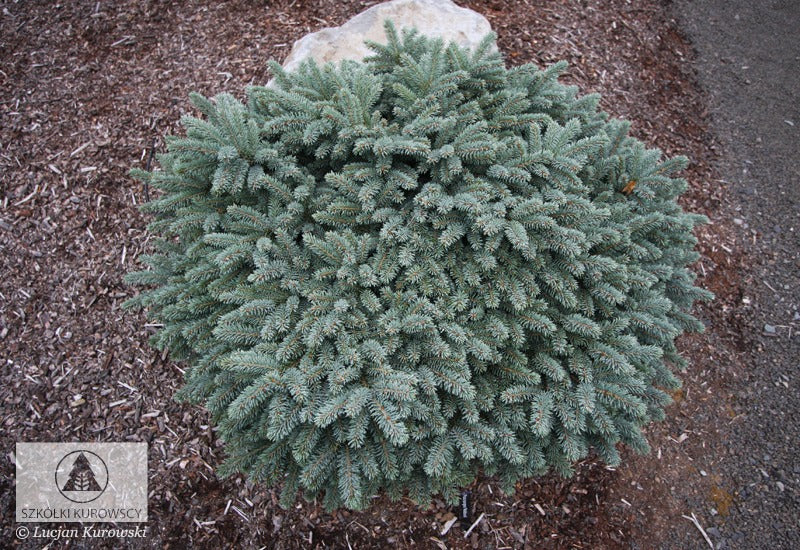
(81, 476)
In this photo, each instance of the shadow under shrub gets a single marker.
(390, 275)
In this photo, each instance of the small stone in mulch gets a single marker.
(769, 329)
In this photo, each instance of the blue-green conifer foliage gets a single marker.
(395, 274)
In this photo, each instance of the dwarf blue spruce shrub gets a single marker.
(391, 275)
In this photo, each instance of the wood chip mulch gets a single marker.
(88, 87)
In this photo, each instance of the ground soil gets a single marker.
(748, 61)
(88, 88)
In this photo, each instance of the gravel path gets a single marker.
(748, 60)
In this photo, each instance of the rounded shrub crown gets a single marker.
(392, 275)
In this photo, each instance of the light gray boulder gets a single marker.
(440, 18)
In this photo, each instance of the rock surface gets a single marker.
(430, 17)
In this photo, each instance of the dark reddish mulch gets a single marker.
(87, 87)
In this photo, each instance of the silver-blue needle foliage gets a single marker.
(395, 274)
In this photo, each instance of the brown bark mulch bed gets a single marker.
(88, 87)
